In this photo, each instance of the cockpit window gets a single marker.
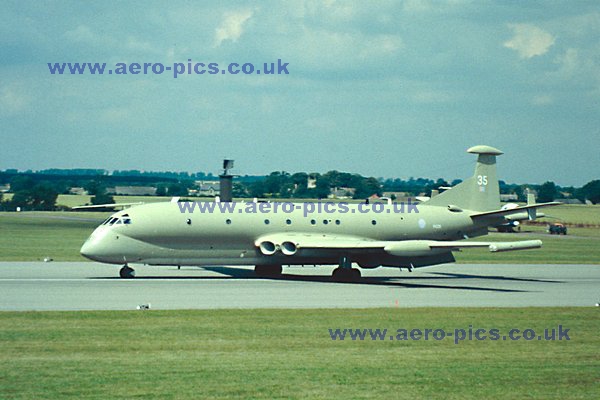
(123, 219)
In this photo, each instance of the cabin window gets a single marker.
(288, 221)
(188, 221)
(228, 222)
(374, 222)
(337, 222)
(313, 222)
(267, 222)
(325, 222)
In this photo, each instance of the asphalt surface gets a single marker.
(94, 286)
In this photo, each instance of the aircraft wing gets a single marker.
(106, 206)
(519, 209)
(290, 243)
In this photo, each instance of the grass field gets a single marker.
(574, 214)
(32, 236)
(289, 354)
(580, 246)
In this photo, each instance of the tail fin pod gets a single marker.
(481, 191)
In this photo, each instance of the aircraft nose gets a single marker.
(107, 246)
(89, 250)
(95, 247)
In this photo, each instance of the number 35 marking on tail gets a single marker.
(482, 180)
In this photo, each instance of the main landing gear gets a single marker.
(127, 272)
(345, 272)
(268, 271)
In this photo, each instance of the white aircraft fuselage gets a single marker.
(160, 234)
(271, 235)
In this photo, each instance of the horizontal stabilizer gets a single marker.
(501, 213)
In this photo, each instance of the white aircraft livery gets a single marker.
(270, 235)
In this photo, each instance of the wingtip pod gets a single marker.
(510, 246)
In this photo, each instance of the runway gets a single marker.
(94, 286)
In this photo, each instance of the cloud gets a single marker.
(114, 43)
(114, 114)
(542, 100)
(13, 99)
(232, 26)
(529, 40)
(432, 96)
(82, 34)
(381, 45)
(580, 67)
(569, 63)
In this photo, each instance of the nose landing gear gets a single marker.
(127, 272)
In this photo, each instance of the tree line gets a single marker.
(33, 191)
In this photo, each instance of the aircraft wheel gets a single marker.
(335, 274)
(127, 272)
(345, 274)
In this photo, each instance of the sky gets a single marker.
(384, 89)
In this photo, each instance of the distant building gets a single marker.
(509, 197)
(78, 190)
(565, 195)
(207, 189)
(397, 195)
(5, 188)
(341, 193)
(570, 201)
(311, 182)
(132, 190)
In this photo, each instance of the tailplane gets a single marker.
(480, 192)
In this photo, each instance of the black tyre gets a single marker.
(127, 273)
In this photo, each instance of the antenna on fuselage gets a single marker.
(226, 182)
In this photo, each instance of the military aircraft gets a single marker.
(268, 237)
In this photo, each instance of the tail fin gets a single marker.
(532, 212)
(481, 191)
